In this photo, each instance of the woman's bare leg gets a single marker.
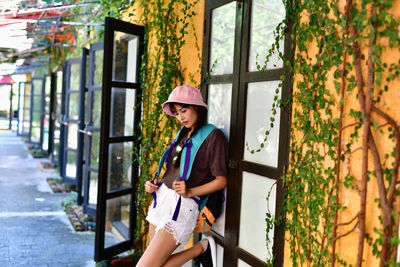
(180, 258)
(159, 250)
(152, 231)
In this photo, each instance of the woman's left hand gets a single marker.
(180, 188)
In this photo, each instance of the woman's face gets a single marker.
(186, 115)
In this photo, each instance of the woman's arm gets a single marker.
(217, 184)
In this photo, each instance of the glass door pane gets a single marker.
(260, 101)
(222, 39)
(265, 16)
(117, 172)
(123, 113)
(27, 107)
(258, 199)
(219, 106)
(36, 111)
(46, 119)
(24, 108)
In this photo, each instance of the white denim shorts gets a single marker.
(161, 215)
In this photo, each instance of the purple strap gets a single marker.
(154, 193)
(197, 200)
(187, 160)
(178, 207)
(170, 150)
(183, 178)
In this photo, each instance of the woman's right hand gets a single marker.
(151, 186)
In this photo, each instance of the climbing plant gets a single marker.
(345, 135)
(168, 24)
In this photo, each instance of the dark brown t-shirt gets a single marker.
(211, 160)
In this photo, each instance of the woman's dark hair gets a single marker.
(201, 113)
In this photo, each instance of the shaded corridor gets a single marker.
(34, 230)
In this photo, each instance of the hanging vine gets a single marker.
(341, 59)
(168, 24)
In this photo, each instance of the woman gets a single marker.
(208, 174)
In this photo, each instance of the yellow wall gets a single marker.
(390, 103)
(189, 54)
(347, 246)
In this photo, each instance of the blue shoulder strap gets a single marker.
(191, 148)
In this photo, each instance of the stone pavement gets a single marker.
(34, 231)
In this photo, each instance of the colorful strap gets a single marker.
(154, 193)
(188, 145)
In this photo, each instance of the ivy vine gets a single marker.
(340, 45)
(168, 24)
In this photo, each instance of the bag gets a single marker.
(210, 209)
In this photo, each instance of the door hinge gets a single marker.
(233, 164)
(239, 3)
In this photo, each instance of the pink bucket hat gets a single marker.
(184, 94)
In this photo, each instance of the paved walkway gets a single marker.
(34, 231)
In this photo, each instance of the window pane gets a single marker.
(27, 101)
(74, 79)
(125, 57)
(122, 112)
(93, 178)
(37, 87)
(37, 103)
(35, 119)
(96, 108)
(59, 77)
(45, 144)
(260, 97)
(73, 135)
(265, 16)
(35, 134)
(94, 149)
(73, 110)
(222, 39)
(26, 115)
(119, 166)
(70, 169)
(219, 106)
(242, 264)
(254, 206)
(25, 127)
(47, 89)
(46, 119)
(117, 219)
(98, 67)
(56, 147)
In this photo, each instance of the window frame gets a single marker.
(239, 79)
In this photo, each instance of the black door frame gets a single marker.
(66, 121)
(81, 126)
(111, 26)
(47, 151)
(239, 80)
(90, 128)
